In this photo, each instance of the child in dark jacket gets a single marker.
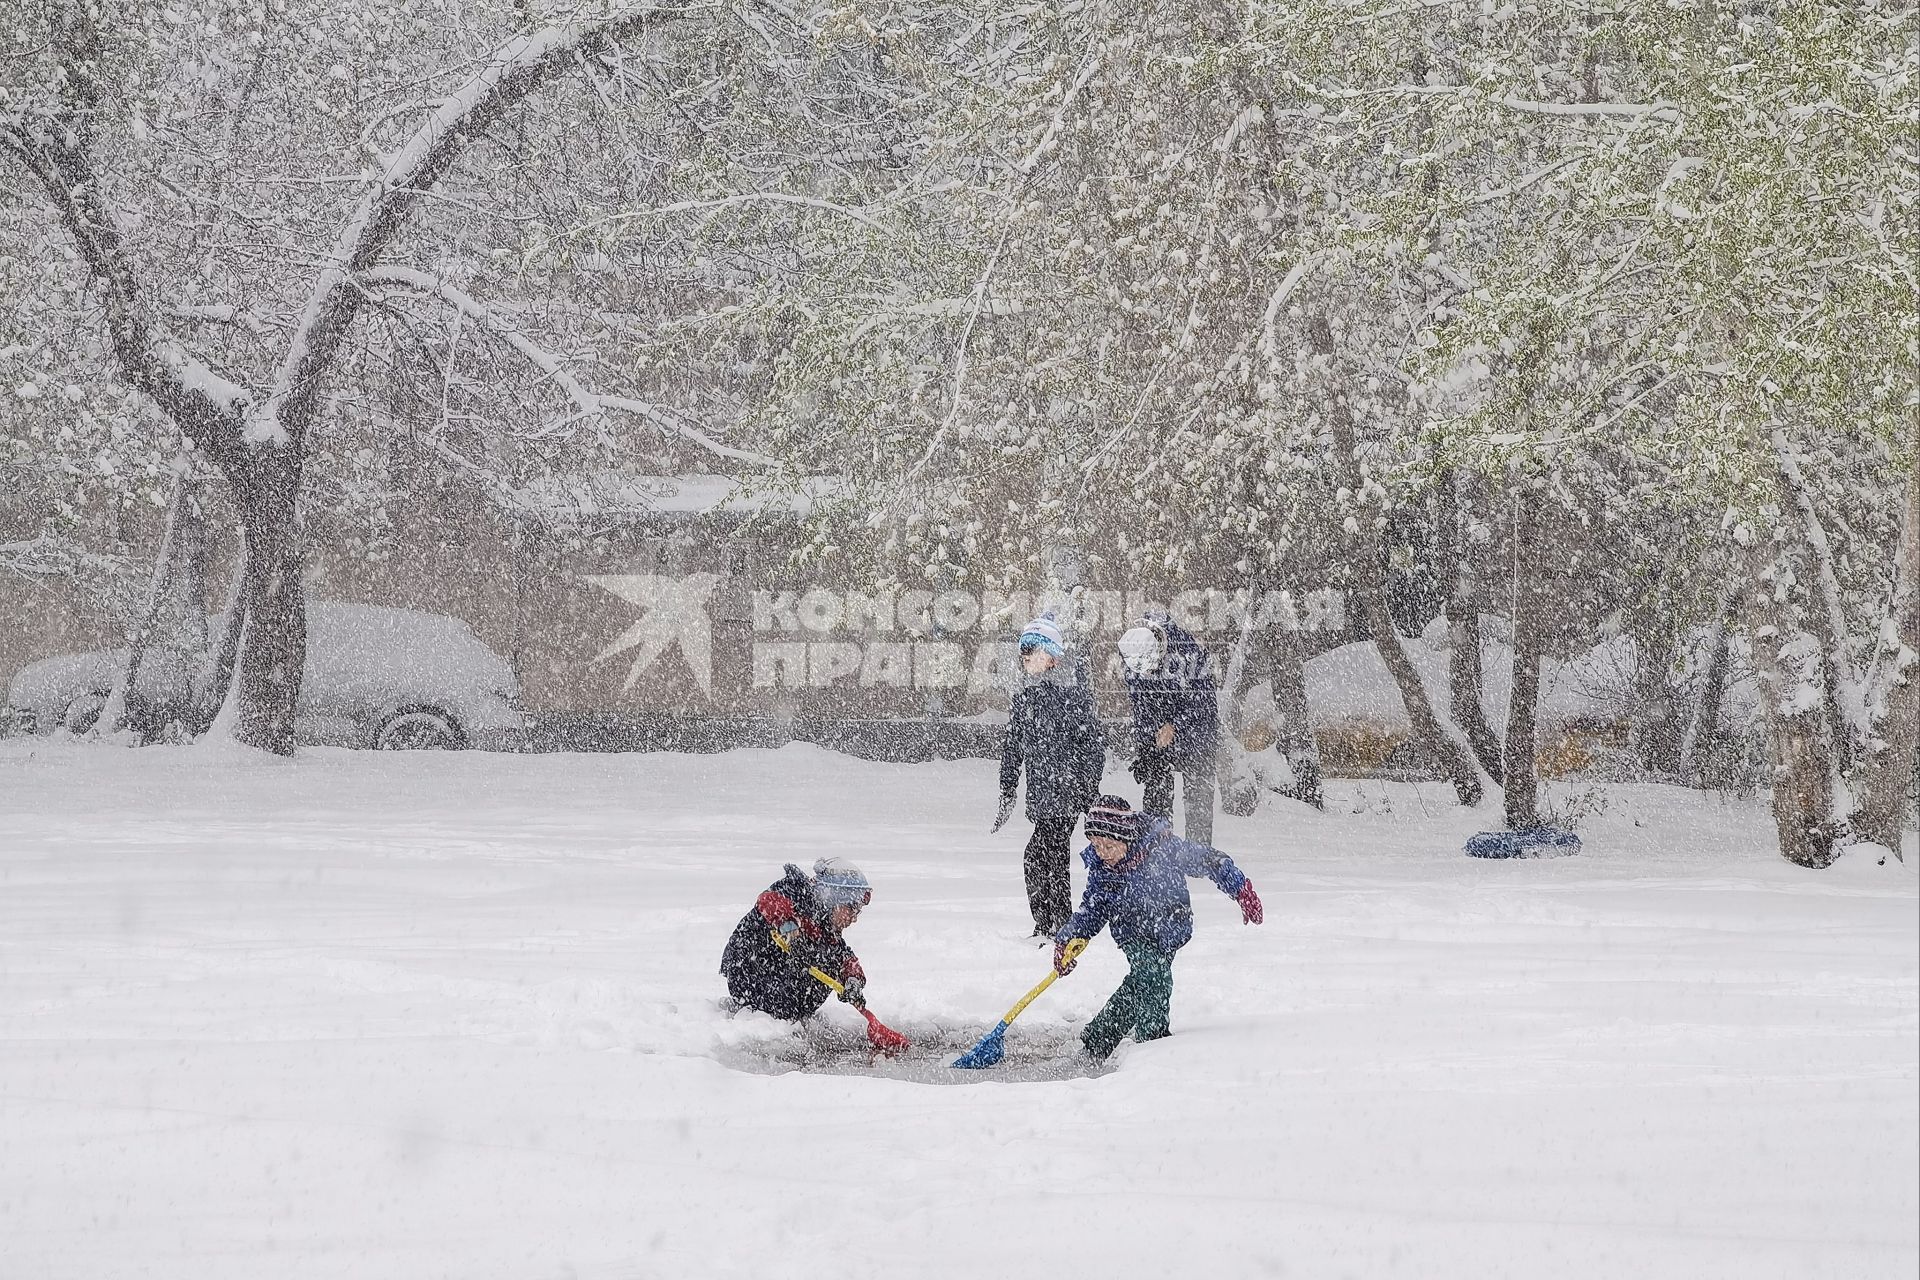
(1055, 737)
(1137, 873)
(1176, 720)
(797, 924)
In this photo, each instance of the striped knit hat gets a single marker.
(1113, 816)
(838, 883)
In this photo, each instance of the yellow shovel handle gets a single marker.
(832, 984)
(1074, 948)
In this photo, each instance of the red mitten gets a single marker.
(1250, 911)
(852, 970)
(1062, 965)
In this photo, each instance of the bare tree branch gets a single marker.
(206, 406)
(520, 67)
(592, 404)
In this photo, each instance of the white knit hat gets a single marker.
(1140, 648)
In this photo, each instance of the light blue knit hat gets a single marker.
(1044, 633)
(838, 883)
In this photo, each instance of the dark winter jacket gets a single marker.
(762, 974)
(1055, 735)
(1144, 899)
(1181, 693)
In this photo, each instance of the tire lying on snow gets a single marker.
(419, 729)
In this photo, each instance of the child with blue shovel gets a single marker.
(1137, 873)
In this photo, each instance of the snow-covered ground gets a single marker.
(364, 1015)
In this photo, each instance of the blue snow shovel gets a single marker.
(993, 1045)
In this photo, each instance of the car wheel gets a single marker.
(419, 731)
(83, 713)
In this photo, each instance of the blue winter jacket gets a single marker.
(1181, 693)
(1144, 899)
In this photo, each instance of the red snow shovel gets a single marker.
(879, 1034)
(883, 1037)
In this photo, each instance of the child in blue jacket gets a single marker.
(1137, 873)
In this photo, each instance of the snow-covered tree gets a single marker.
(1208, 281)
(235, 186)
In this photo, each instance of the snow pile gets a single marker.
(1351, 683)
(457, 1014)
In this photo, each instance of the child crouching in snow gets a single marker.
(1137, 873)
(798, 924)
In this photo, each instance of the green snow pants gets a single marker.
(1140, 1005)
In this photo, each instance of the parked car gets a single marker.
(389, 679)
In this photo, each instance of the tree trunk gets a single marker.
(273, 643)
(1448, 753)
(1653, 728)
(1296, 742)
(1888, 764)
(1520, 765)
(1704, 737)
(1802, 794)
(122, 708)
(1466, 682)
(1442, 747)
(1239, 791)
(216, 673)
(1886, 779)
(1799, 728)
(1825, 616)
(155, 687)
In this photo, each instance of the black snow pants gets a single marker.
(780, 991)
(1049, 868)
(1196, 787)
